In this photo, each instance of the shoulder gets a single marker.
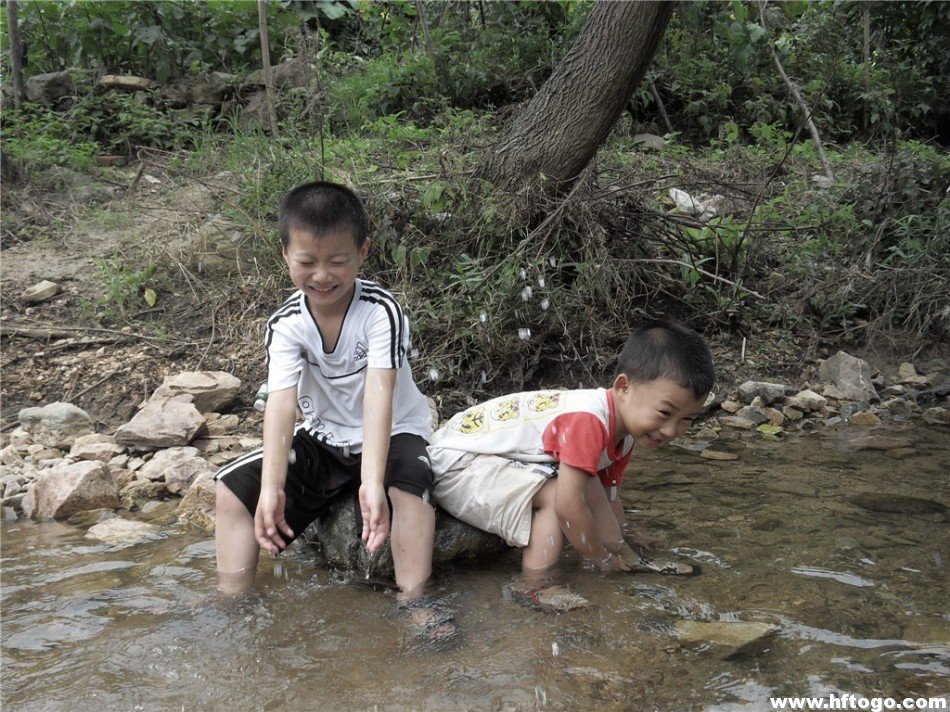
(372, 295)
(292, 308)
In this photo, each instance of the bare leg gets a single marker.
(236, 548)
(413, 535)
(544, 547)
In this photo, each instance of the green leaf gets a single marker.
(150, 296)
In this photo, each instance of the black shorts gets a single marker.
(318, 474)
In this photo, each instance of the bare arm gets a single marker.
(577, 520)
(377, 429)
(269, 522)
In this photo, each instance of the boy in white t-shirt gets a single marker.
(336, 349)
(535, 467)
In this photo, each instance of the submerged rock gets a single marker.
(338, 535)
(887, 503)
(123, 532)
(735, 638)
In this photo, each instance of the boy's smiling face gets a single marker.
(653, 412)
(324, 268)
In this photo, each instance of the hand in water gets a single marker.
(375, 510)
(269, 522)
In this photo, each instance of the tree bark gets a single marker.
(266, 71)
(16, 52)
(556, 136)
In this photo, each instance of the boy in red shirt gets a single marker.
(536, 467)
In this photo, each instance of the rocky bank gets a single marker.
(56, 466)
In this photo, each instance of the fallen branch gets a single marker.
(799, 101)
(698, 269)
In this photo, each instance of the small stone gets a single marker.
(937, 416)
(865, 418)
(793, 414)
(737, 422)
(41, 292)
(718, 455)
(730, 406)
(807, 401)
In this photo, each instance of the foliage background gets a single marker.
(510, 291)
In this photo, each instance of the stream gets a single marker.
(845, 550)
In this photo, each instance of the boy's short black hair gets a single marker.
(665, 349)
(321, 208)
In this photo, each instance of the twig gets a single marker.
(64, 332)
(660, 106)
(84, 391)
(799, 101)
(698, 269)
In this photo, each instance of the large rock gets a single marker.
(212, 391)
(197, 506)
(847, 378)
(63, 491)
(177, 467)
(95, 446)
(48, 89)
(213, 88)
(162, 423)
(339, 539)
(732, 638)
(55, 425)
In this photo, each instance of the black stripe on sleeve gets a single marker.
(376, 295)
(289, 308)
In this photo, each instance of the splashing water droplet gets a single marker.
(483, 317)
(567, 525)
(545, 303)
(433, 374)
(524, 274)
(555, 649)
(583, 538)
(541, 281)
(484, 377)
(524, 333)
(541, 696)
(526, 294)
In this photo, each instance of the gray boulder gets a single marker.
(48, 89)
(63, 491)
(55, 425)
(847, 378)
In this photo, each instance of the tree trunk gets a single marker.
(267, 73)
(559, 132)
(16, 52)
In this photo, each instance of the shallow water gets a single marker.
(788, 534)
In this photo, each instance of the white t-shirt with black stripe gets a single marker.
(375, 334)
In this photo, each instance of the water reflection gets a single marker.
(843, 550)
